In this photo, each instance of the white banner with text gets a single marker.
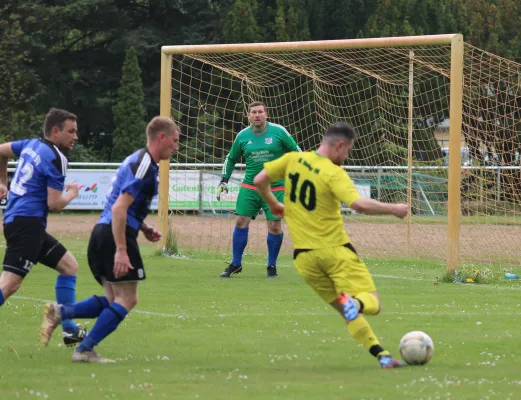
(188, 190)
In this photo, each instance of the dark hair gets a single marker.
(256, 104)
(340, 130)
(161, 124)
(56, 117)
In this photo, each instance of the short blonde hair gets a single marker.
(161, 124)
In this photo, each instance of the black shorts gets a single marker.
(102, 249)
(28, 243)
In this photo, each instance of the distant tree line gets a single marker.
(100, 58)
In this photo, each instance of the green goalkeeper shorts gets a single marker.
(249, 203)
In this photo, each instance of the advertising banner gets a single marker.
(93, 187)
(188, 190)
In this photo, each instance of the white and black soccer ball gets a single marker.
(416, 348)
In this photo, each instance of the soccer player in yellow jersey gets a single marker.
(315, 184)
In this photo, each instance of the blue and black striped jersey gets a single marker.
(137, 176)
(40, 165)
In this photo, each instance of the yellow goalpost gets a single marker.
(417, 103)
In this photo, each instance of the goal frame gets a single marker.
(455, 110)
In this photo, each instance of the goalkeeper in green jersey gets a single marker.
(262, 141)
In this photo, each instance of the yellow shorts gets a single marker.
(334, 270)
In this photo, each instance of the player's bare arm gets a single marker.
(373, 207)
(119, 225)
(262, 181)
(6, 152)
(57, 201)
(150, 232)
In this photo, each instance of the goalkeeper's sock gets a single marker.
(240, 240)
(2, 300)
(274, 244)
(361, 331)
(368, 303)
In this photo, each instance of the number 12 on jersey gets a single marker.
(20, 178)
(307, 194)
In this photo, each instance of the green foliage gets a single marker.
(291, 22)
(392, 19)
(171, 243)
(21, 124)
(241, 23)
(471, 275)
(81, 153)
(20, 86)
(69, 55)
(280, 25)
(203, 143)
(129, 113)
(342, 19)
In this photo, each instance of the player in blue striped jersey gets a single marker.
(137, 176)
(113, 252)
(37, 187)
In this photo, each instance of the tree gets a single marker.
(297, 17)
(344, 19)
(241, 24)
(129, 112)
(280, 26)
(20, 86)
(69, 55)
(392, 19)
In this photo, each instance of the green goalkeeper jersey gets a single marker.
(258, 148)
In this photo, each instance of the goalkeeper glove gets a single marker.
(223, 187)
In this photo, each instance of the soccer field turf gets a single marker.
(197, 336)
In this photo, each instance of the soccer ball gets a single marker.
(416, 348)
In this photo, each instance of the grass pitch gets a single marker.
(196, 336)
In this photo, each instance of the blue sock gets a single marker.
(66, 294)
(106, 323)
(2, 300)
(88, 308)
(274, 243)
(240, 240)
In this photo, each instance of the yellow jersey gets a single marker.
(313, 189)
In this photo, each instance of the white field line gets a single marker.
(296, 314)
(404, 278)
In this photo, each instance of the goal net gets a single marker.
(396, 92)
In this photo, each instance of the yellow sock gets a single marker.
(362, 332)
(369, 304)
